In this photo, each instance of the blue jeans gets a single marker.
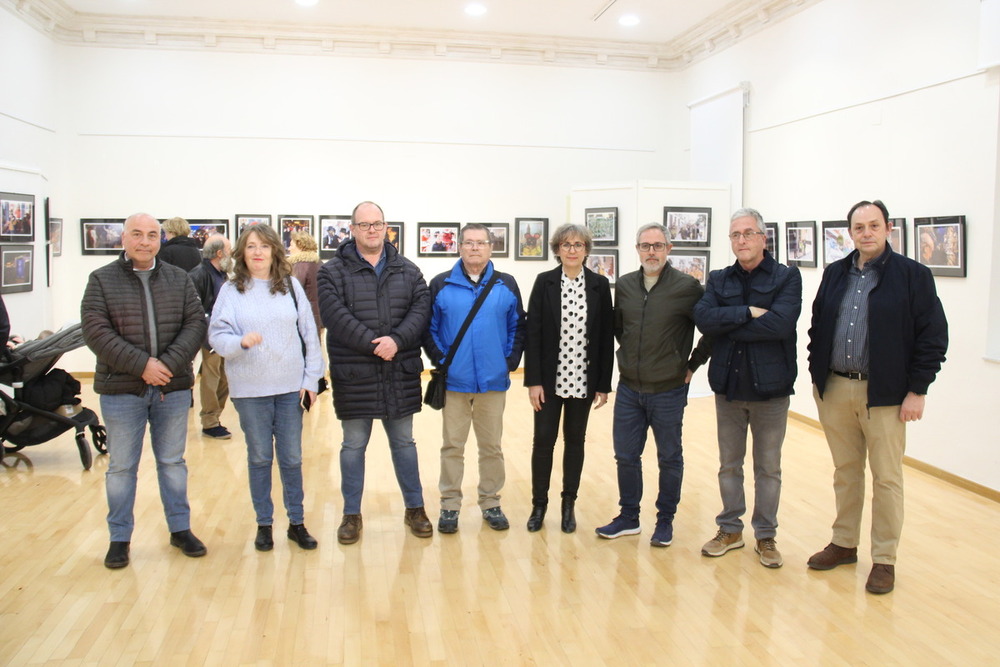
(767, 420)
(635, 412)
(125, 417)
(404, 461)
(273, 425)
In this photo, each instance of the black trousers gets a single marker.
(575, 413)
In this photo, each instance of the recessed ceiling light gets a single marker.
(307, 3)
(475, 9)
(628, 20)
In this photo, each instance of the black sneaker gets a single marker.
(117, 556)
(219, 432)
(264, 540)
(448, 521)
(494, 516)
(188, 543)
(297, 533)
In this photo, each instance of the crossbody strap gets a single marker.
(468, 320)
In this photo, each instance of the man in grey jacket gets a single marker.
(143, 320)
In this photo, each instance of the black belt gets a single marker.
(852, 376)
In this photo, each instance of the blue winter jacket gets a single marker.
(492, 346)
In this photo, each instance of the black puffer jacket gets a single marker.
(116, 329)
(356, 307)
(182, 251)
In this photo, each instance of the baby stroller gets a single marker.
(45, 402)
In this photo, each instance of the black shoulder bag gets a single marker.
(322, 381)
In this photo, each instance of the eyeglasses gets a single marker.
(735, 236)
(365, 226)
(573, 246)
(472, 245)
(659, 246)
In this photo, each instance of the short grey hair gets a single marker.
(568, 230)
(652, 225)
(750, 213)
(213, 245)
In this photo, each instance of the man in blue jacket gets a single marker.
(750, 310)
(877, 341)
(479, 375)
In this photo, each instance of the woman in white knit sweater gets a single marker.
(262, 324)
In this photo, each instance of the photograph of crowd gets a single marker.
(17, 219)
(438, 239)
(692, 262)
(102, 236)
(688, 226)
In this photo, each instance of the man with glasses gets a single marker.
(375, 304)
(750, 310)
(479, 374)
(655, 331)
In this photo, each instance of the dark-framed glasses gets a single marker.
(365, 226)
(567, 246)
(659, 246)
(735, 236)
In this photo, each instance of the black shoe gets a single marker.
(188, 543)
(536, 518)
(297, 533)
(568, 517)
(264, 541)
(117, 556)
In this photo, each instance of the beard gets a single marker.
(227, 265)
(654, 265)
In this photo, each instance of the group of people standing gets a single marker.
(878, 338)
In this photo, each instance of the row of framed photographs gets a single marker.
(689, 226)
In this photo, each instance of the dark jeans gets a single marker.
(635, 413)
(576, 412)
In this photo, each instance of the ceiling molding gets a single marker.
(736, 22)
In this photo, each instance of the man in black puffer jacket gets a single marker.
(375, 305)
(143, 320)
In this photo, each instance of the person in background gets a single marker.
(304, 258)
(180, 249)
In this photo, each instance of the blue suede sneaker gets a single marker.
(620, 525)
(663, 535)
(494, 516)
(448, 522)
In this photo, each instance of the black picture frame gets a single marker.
(243, 220)
(837, 241)
(940, 245)
(333, 230)
(500, 237)
(101, 236)
(288, 224)
(202, 228)
(897, 236)
(688, 226)
(695, 263)
(800, 244)
(532, 239)
(394, 235)
(17, 218)
(437, 239)
(17, 268)
(603, 225)
(772, 240)
(604, 262)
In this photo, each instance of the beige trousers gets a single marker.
(213, 389)
(484, 413)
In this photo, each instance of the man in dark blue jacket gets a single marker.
(877, 341)
(479, 375)
(750, 310)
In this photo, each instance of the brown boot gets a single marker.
(832, 556)
(882, 579)
(350, 529)
(417, 520)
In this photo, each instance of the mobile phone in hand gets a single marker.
(306, 402)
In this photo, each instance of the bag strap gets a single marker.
(291, 290)
(468, 320)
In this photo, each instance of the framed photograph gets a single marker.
(202, 229)
(837, 241)
(897, 237)
(604, 262)
(940, 244)
(394, 235)
(499, 234)
(688, 226)
(55, 236)
(692, 262)
(289, 224)
(244, 220)
(101, 236)
(532, 238)
(17, 218)
(800, 244)
(437, 239)
(333, 230)
(771, 239)
(17, 268)
(603, 224)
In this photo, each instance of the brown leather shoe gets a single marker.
(882, 579)
(832, 556)
(350, 529)
(417, 520)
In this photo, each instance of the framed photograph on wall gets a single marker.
(101, 236)
(437, 239)
(692, 262)
(604, 262)
(771, 239)
(394, 235)
(688, 226)
(17, 218)
(244, 220)
(532, 238)
(201, 229)
(55, 236)
(17, 261)
(897, 235)
(333, 230)
(940, 244)
(603, 224)
(499, 235)
(837, 241)
(289, 224)
(800, 244)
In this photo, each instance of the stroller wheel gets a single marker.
(85, 456)
(100, 437)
